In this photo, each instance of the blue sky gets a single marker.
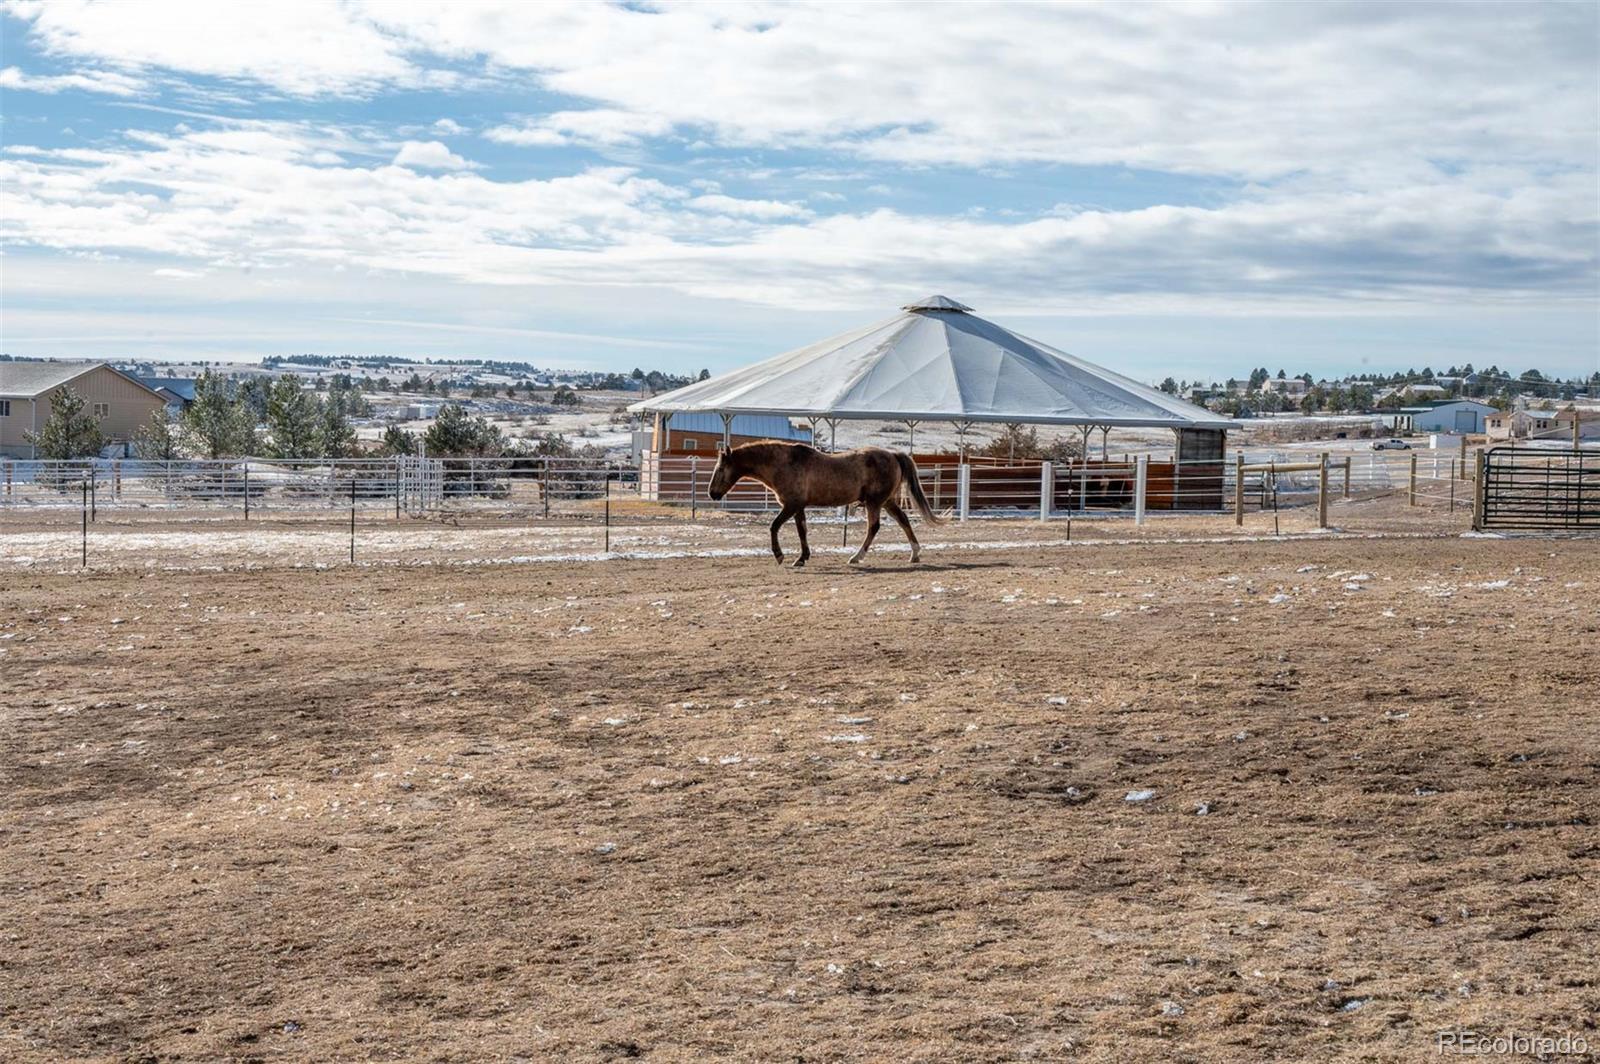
(1189, 190)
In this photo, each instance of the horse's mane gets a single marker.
(765, 449)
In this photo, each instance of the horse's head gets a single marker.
(723, 478)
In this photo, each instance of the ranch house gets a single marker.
(121, 403)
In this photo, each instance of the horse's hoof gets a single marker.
(800, 564)
(780, 559)
(854, 561)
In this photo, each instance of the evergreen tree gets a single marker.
(335, 437)
(157, 441)
(214, 425)
(68, 432)
(397, 440)
(252, 394)
(293, 419)
(453, 433)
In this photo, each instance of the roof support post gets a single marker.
(962, 428)
(727, 431)
(911, 438)
(833, 433)
(1141, 482)
(1083, 470)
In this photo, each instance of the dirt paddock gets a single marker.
(1236, 802)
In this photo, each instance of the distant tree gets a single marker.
(68, 432)
(565, 397)
(294, 420)
(335, 437)
(705, 375)
(215, 425)
(397, 440)
(252, 394)
(157, 440)
(1169, 386)
(453, 433)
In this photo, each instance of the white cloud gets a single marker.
(600, 127)
(1372, 155)
(260, 195)
(429, 155)
(103, 81)
(720, 204)
(303, 47)
(1253, 90)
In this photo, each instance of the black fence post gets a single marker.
(93, 494)
(85, 557)
(1274, 474)
(352, 517)
(608, 510)
(247, 490)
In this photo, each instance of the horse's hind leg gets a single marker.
(872, 532)
(805, 544)
(777, 523)
(904, 522)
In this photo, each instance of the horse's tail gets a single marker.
(908, 473)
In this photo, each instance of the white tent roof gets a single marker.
(936, 362)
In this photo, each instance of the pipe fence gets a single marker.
(252, 508)
(668, 486)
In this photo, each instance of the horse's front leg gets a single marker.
(805, 545)
(777, 523)
(872, 533)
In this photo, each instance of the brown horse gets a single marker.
(802, 476)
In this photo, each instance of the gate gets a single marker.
(419, 484)
(1534, 488)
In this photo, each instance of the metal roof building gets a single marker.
(936, 361)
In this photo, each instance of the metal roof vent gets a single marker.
(937, 303)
